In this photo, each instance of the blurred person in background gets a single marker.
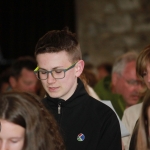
(123, 88)
(22, 77)
(140, 139)
(131, 114)
(104, 69)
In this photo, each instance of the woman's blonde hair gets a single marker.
(142, 61)
(143, 131)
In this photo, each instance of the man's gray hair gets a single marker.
(123, 60)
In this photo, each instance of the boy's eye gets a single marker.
(43, 71)
(58, 71)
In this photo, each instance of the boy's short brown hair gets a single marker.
(59, 40)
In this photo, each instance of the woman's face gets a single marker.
(146, 76)
(11, 136)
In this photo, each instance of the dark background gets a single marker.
(23, 22)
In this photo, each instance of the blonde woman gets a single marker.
(140, 136)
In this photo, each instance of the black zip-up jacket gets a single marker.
(86, 123)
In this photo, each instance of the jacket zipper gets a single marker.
(59, 108)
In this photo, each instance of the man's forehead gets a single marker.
(130, 67)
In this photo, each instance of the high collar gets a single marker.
(79, 92)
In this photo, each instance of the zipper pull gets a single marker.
(59, 108)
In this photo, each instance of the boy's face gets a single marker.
(59, 88)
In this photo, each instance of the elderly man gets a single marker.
(123, 88)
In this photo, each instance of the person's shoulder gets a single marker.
(133, 108)
(100, 109)
(132, 113)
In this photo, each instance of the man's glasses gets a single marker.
(132, 82)
(42, 74)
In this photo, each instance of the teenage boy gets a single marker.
(86, 123)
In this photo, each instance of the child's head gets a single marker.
(57, 41)
(59, 62)
(26, 124)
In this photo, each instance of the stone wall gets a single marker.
(108, 28)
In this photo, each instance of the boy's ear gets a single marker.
(12, 82)
(79, 67)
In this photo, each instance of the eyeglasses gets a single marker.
(134, 82)
(42, 74)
